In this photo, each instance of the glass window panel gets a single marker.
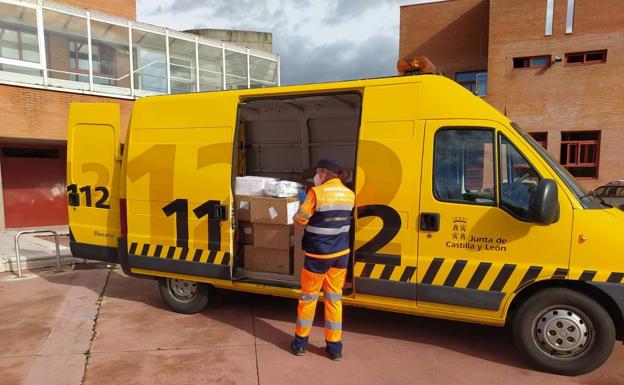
(481, 88)
(30, 47)
(540, 61)
(520, 62)
(19, 41)
(78, 68)
(464, 166)
(235, 70)
(574, 58)
(18, 33)
(263, 72)
(596, 56)
(210, 68)
(111, 59)
(9, 44)
(518, 180)
(150, 61)
(67, 50)
(182, 65)
(466, 76)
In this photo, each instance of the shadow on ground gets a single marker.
(483, 342)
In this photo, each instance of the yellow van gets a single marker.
(459, 213)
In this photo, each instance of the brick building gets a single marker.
(52, 54)
(552, 66)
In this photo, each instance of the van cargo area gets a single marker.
(284, 138)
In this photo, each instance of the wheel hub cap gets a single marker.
(562, 332)
(183, 289)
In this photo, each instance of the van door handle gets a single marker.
(430, 221)
(73, 199)
(213, 209)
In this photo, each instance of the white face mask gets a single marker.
(317, 180)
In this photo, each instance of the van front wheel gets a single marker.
(184, 296)
(563, 331)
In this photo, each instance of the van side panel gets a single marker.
(387, 194)
(179, 167)
(93, 163)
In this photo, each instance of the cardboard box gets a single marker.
(243, 207)
(268, 260)
(273, 236)
(298, 255)
(277, 211)
(246, 233)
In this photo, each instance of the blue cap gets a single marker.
(329, 164)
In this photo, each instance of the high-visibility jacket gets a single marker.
(327, 213)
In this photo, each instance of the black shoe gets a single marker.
(334, 356)
(296, 350)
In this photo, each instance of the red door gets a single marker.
(33, 185)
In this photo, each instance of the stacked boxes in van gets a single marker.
(266, 228)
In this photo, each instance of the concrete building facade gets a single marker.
(53, 54)
(552, 66)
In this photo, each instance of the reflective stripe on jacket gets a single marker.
(327, 214)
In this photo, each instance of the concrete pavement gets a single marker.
(100, 327)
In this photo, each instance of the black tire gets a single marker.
(563, 331)
(185, 297)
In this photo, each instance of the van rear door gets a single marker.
(93, 162)
(178, 180)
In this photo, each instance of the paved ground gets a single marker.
(54, 326)
(36, 250)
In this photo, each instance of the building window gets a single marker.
(475, 81)
(585, 58)
(19, 45)
(541, 138)
(79, 56)
(531, 61)
(103, 62)
(194, 63)
(580, 153)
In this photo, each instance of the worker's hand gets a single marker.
(301, 196)
(299, 226)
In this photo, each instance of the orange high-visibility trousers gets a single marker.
(332, 282)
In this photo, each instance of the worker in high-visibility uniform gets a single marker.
(325, 214)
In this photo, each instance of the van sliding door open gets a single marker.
(283, 138)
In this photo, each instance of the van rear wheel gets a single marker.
(187, 297)
(563, 331)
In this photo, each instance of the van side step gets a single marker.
(266, 282)
(269, 279)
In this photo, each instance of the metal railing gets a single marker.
(17, 248)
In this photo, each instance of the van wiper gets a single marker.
(594, 195)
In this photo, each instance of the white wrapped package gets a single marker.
(251, 185)
(282, 189)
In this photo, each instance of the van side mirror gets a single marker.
(544, 206)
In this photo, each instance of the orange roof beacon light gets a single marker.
(415, 65)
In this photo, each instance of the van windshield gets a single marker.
(587, 201)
